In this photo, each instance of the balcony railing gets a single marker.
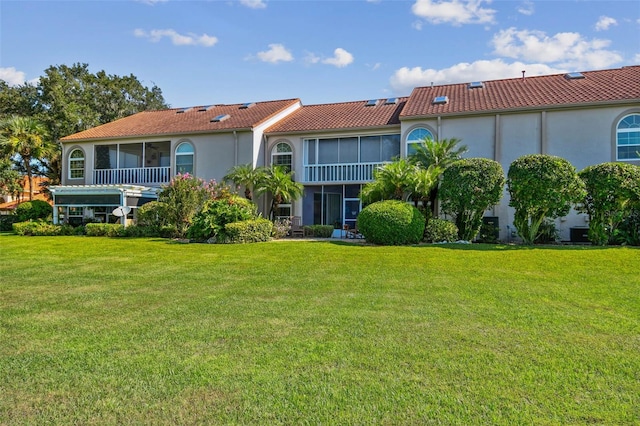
(348, 172)
(139, 176)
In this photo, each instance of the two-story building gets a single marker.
(587, 118)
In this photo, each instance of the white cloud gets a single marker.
(636, 58)
(526, 8)
(405, 79)
(177, 39)
(12, 76)
(276, 53)
(254, 4)
(311, 58)
(341, 58)
(456, 12)
(604, 22)
(566, 50)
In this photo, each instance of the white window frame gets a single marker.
(627, 130)
(192, 153)
(415, 140)
(275, 153)
(73, 161)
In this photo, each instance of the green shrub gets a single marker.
(319, 231)
(6, 221)
(169, 231)
(629, 230)
(40, 228)
(33, 210)
(547, 233)
(215, 214)
(105, 230)
(153, 213)
(541, 186)
(137, 231)
(469, 188)
(613, 191)
(440, 230)
(248, 231)
(391, 222)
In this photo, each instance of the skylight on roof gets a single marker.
(391, 101)
(247, 105)
(183, 110)
(205, 108)
(438, 100)
(220, 118)
(476, 85)
(574, 76)
(371, 102)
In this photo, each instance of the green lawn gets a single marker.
(141, 331)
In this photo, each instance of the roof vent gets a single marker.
(391, 101)
(476, 85)
(371, 102)
(440, 100)
(247, 105)
(574, 76)
(220, 118)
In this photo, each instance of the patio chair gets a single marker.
(297, 230)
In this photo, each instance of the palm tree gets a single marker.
(280, 184)
(247, 176)
(27, 138)
(390, 182)
(422, 183)
(438, 154)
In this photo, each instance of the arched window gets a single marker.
(76, 164)
(628, 138)
(282, 155)
(416, 137)
(184, 158)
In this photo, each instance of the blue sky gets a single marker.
(235, 51)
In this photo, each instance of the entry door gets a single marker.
(352, 207)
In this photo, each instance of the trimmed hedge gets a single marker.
(391, 222)
(319, 231)
(104, 230)
(248, 231)
(440, 230)
(41, 228)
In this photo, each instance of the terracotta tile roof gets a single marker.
(340, 116)
(193, 120)
(597, 87)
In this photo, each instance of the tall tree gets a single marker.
(27, 138)
(280, 185)
(69, 99)
(10, 178)
(440, 154)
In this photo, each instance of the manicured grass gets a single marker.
(117, 331)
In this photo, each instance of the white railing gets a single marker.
(348, 172)
(140, 176)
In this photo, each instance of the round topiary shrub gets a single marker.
(440, 231)
(391, 222)
(32, 210)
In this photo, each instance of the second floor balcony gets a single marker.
(342, 172)
(152, 176)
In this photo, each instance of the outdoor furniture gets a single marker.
(297, 230)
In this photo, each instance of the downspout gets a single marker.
(235, 148)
